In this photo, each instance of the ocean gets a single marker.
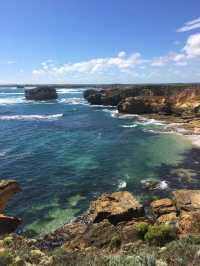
(64, 153)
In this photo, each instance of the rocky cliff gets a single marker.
(169, 99)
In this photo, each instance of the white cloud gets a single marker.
(192, 47)
(120, 63)
(190, 25)
(122, 54)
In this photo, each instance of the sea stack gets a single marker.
(41, 94)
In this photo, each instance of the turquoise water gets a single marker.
(65, 153)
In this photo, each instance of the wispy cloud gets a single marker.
(190, 25)
(11, 62)
(121, 63)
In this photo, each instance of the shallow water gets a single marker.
(65, 153)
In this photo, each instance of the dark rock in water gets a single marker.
(41, 94)
(8, 224)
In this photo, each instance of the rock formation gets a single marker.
(169, 99)
(7, 189)
(41, 94)
(116, 207)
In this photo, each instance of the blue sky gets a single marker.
(73, 41)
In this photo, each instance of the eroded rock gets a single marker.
(116, 207)
(162, 206)
(187, 200)
(7, 189)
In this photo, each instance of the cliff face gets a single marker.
(176, 100)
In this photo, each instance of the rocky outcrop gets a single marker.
(168, 99)
(143, 105)
(118, 219)
(41, 94)
(183, 210)
(188, 206)
(7, 189)
(116, 207)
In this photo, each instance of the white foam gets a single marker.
(122, 184)
(74, 101)
(162, 185)
(69, 91)
(11, 93)
(30, 117)
(12, 100)
(129, 126)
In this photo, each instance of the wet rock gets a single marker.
(41, 94)
(153, 184)
(8, 224)
(184, 175)
(116, 207)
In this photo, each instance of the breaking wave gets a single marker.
(30, 117)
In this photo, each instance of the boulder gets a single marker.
(162, 206)
(41, 94)
(116, 207)
(7, 189)
(187, 200)
(169, 218)
(188, 207)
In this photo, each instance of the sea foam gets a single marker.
(31, 117)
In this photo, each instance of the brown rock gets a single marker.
(7, 189)
(143, 105)
(189, 222)
(97, 235)
(116, 207)
(187, 200)
(162, 206)
(169, 218)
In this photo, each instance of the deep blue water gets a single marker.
(65, 153)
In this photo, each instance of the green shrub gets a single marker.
(115, 242)
(142, 229)
(160, 234)
(7, 241)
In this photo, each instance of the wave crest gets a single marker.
(31, 117)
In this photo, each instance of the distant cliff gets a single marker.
(169, 99)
